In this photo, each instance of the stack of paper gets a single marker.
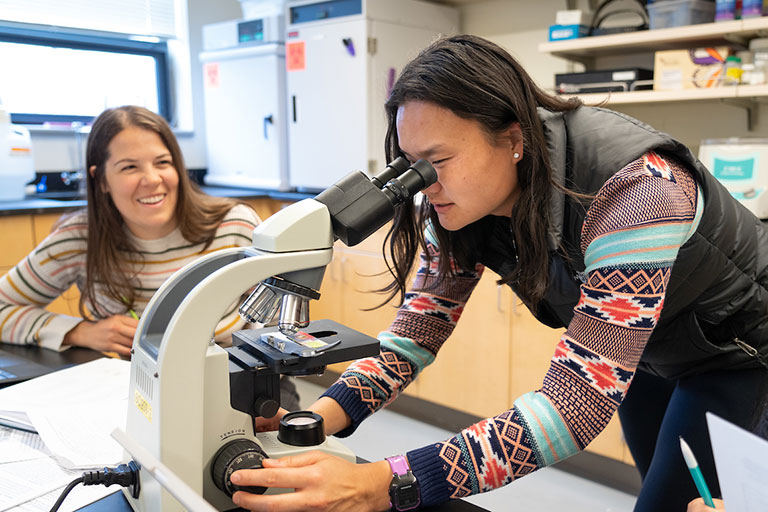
(74, 410)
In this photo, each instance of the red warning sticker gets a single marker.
(211, 72)
(295, 57)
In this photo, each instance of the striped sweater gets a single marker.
(630, 239)
(59, 262)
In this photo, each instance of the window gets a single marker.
(68, 60)
(60, 77)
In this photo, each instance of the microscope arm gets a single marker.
(173, 348)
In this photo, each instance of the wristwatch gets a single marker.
(404, 489)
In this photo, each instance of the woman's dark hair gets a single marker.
(197, 214)
(478, 80)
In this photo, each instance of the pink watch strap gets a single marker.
(399, 464)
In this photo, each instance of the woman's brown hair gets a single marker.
(477, 79)
(197, 214)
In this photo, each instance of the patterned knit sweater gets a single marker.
(630, 239)
(59, 262)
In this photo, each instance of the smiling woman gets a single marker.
(144, 220)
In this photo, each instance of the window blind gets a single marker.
(135, 17)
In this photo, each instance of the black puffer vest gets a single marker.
(715, 312)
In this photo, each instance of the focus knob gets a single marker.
(265, 407)
(235, 455)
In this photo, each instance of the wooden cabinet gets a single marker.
(19, 235)
(472, 370)
(348, 292)
(68, 303)
(265, 206)
(17, 239)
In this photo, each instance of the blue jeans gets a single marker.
(656, 411)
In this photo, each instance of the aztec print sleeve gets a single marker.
(37, 280)
(630, 238)
(423, 323)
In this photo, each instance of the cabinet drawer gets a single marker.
(16, 239)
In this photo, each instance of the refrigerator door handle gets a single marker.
(267, 120)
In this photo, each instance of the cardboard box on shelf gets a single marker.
(689, 69)
(572, 17)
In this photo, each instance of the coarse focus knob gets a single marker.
(235, 455)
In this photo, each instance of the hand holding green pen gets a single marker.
(698, 478)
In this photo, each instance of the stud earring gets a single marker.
(516, 155)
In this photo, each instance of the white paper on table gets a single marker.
(79, 435)
(94, 381)
(16, 445)
(24, 481)
(741, 459)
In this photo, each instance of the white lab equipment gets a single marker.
(741, 164)
(342, 58)
(245, 110)
(17, 167)
(191, 402)
(260, 8)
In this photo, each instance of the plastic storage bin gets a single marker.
(674, 13)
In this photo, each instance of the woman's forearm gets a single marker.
(335, 418)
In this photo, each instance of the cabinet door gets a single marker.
(327, 102)
(471, 372)
(16, 239)
(533, 345)
(331, 302)
(265, 207)
(68, 302)
(43, 225)
(347, 296)
(245, 117)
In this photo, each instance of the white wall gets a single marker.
(202, 12)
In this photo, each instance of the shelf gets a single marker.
(705, 34)
(740, 92)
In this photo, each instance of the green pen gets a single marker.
(130, 311)
(698, 478)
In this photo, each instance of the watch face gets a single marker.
(404, 492)
(407, 497)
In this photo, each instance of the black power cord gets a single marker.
(124, 475)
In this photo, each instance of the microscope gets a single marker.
(192, 403)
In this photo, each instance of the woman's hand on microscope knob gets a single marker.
(262, 424)
(322, 482)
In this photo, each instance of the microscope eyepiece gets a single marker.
(394, 169)
(418, 177)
